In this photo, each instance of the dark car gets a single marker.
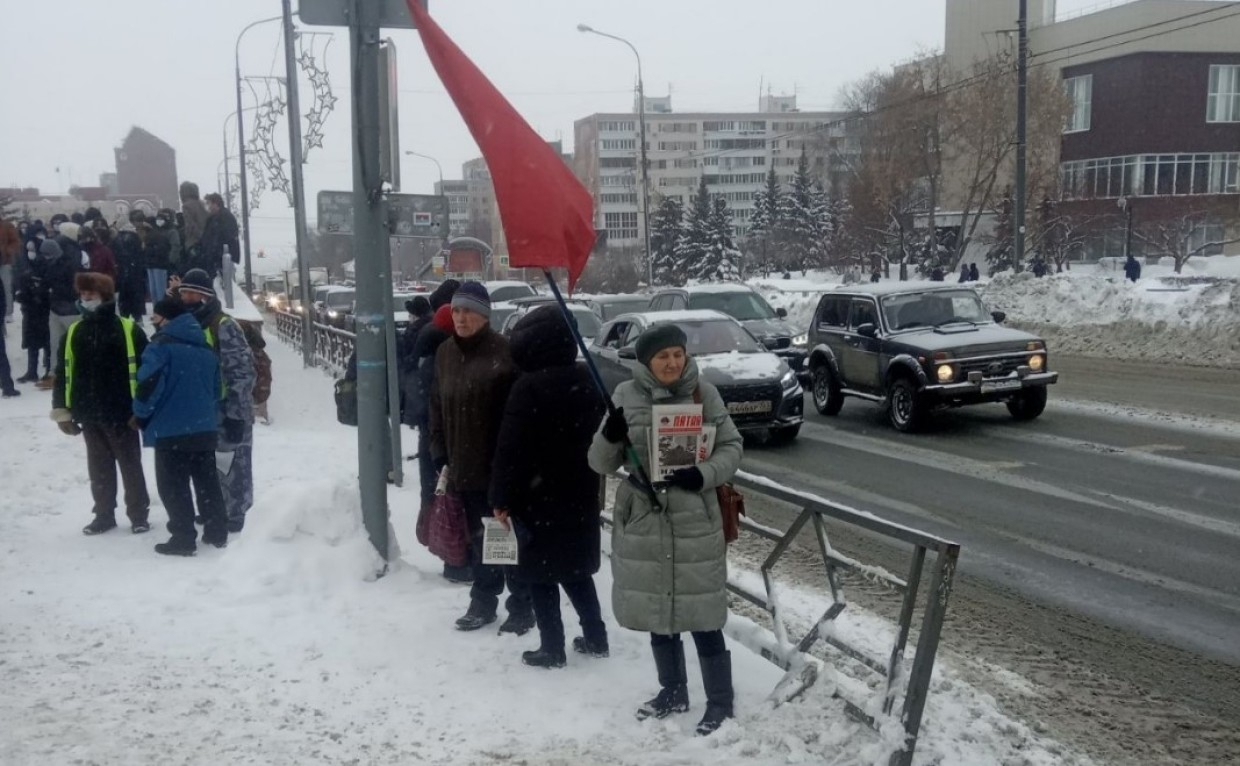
(918, 347)
(611, 306)
(745, 305)
(763, 395)
(334, 306)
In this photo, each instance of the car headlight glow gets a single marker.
(1037, 362)
(945, 373)
(801, 340)
(333, 313)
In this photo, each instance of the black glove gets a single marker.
(688, 479)
(616, 428)
(234, 430)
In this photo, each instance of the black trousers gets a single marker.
(489, 580)
(709, 642)
(32, 361)
(175, 471)
(6, 374)
(546, 601)
(108, 447)
(426, 466)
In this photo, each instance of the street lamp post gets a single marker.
(228, 186)
(1125, 204)
(432, 159)
(245, 193)
(645, 169)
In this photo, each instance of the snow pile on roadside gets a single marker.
(799, 297)
(1101, 314)
(279, 650)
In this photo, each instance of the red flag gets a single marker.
(547, 213)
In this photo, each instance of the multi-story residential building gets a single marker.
(732, 150)
(1155, 93)
(457, 193)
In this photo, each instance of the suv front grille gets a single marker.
(992, 368)
(777, 344)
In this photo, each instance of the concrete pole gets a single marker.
(299, 189)
(1022, 122)
(373, 274)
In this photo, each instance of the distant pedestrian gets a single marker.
(194, 217)
(936, 274)
(102, 261)
(96, 379)
(473, 375)
(157, 254)
(219, 247)
(542, 484)
(61, 268)
(669, 560)
(31, 295)
(974, 274)
(7, 389)
(964, 273)
(875, 276)
(1039, 268)
(236, 409)
(178, 387)
(131, 281)
(166, 222)
(11, 248)
(1132, 268)
(262, 369)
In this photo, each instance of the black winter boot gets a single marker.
(475, 618)
(100, 525)
(717, 681)
(518, 624)
(592, 647)
(545, 658)
(669, 661)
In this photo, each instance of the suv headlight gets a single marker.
(333, 313)
(1037, 362)
(801, 341)
(789, 380)
(945, 373)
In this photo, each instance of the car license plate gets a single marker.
(1000, 385)
(749, 408)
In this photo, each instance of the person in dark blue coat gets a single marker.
(1132, 269)
(179, 389)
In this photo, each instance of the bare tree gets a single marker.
(1181, 238)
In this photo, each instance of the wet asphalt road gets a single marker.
(1110, 511)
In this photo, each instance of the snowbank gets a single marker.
(282, 649)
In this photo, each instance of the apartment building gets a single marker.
(457, 193)
(732, 150)
(1155, 92)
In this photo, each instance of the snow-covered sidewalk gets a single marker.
(278, 650)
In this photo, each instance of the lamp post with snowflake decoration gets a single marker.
(245, 195)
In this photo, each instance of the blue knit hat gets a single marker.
(473, 296)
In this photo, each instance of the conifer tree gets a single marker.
(694, 240)
(664, 234)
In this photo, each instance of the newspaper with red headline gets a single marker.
(676, 438)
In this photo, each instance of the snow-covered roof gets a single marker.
(896, 288)
(695, 315)
(717, 287)
(509, 283)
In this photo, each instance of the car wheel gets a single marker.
(905, 408)
(787, 435)
(1028, 404)
(828, 399)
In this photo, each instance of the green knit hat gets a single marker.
(658, 337)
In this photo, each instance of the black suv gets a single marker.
(745, 305)
(917, 347)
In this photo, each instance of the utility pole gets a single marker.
(373, 268)
(641, 121)
(1022, 129)
(299, 189)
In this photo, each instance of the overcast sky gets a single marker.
(79, 73)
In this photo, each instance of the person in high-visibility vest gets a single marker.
(225, 335)
(96, 378)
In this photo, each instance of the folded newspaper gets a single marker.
(499, 545)
(680, 440)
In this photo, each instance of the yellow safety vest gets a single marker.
(128, 326)
(211, 345)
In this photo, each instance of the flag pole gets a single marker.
(629, 449)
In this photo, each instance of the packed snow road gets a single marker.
(1101, 548)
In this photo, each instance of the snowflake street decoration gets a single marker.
(262, 141)
(323, 101)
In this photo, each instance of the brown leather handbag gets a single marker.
(731, 501)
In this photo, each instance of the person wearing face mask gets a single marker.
(31, 295)
(61, 267)
(158, 256)
(96, 380)
(166, 222)
(131, 279)
(669, 559)
(102, 261)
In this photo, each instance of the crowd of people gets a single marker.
(516, 429)
(188, 391)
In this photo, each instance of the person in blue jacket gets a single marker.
(179, 389)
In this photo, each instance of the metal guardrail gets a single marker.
(801, 668)
(332, 346)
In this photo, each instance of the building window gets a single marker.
(1223, 102)
(1081, 93)
(622, 180)
(617, 162)
(620, 226)
(677, 146)
(684, 163)
(613, 126)
(618, 144)
(1151, 175)
(618, 199)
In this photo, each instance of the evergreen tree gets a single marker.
(1002, 254)
(765, 223)
(799, 226)
(664, 233)
(695, 235)
(821, 225)
(721, 261)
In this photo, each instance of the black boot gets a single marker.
(717, 681)
(100, 525)
(475, 618)
(545, 658)
(669, 661)
(591, 647)
(518, 624)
